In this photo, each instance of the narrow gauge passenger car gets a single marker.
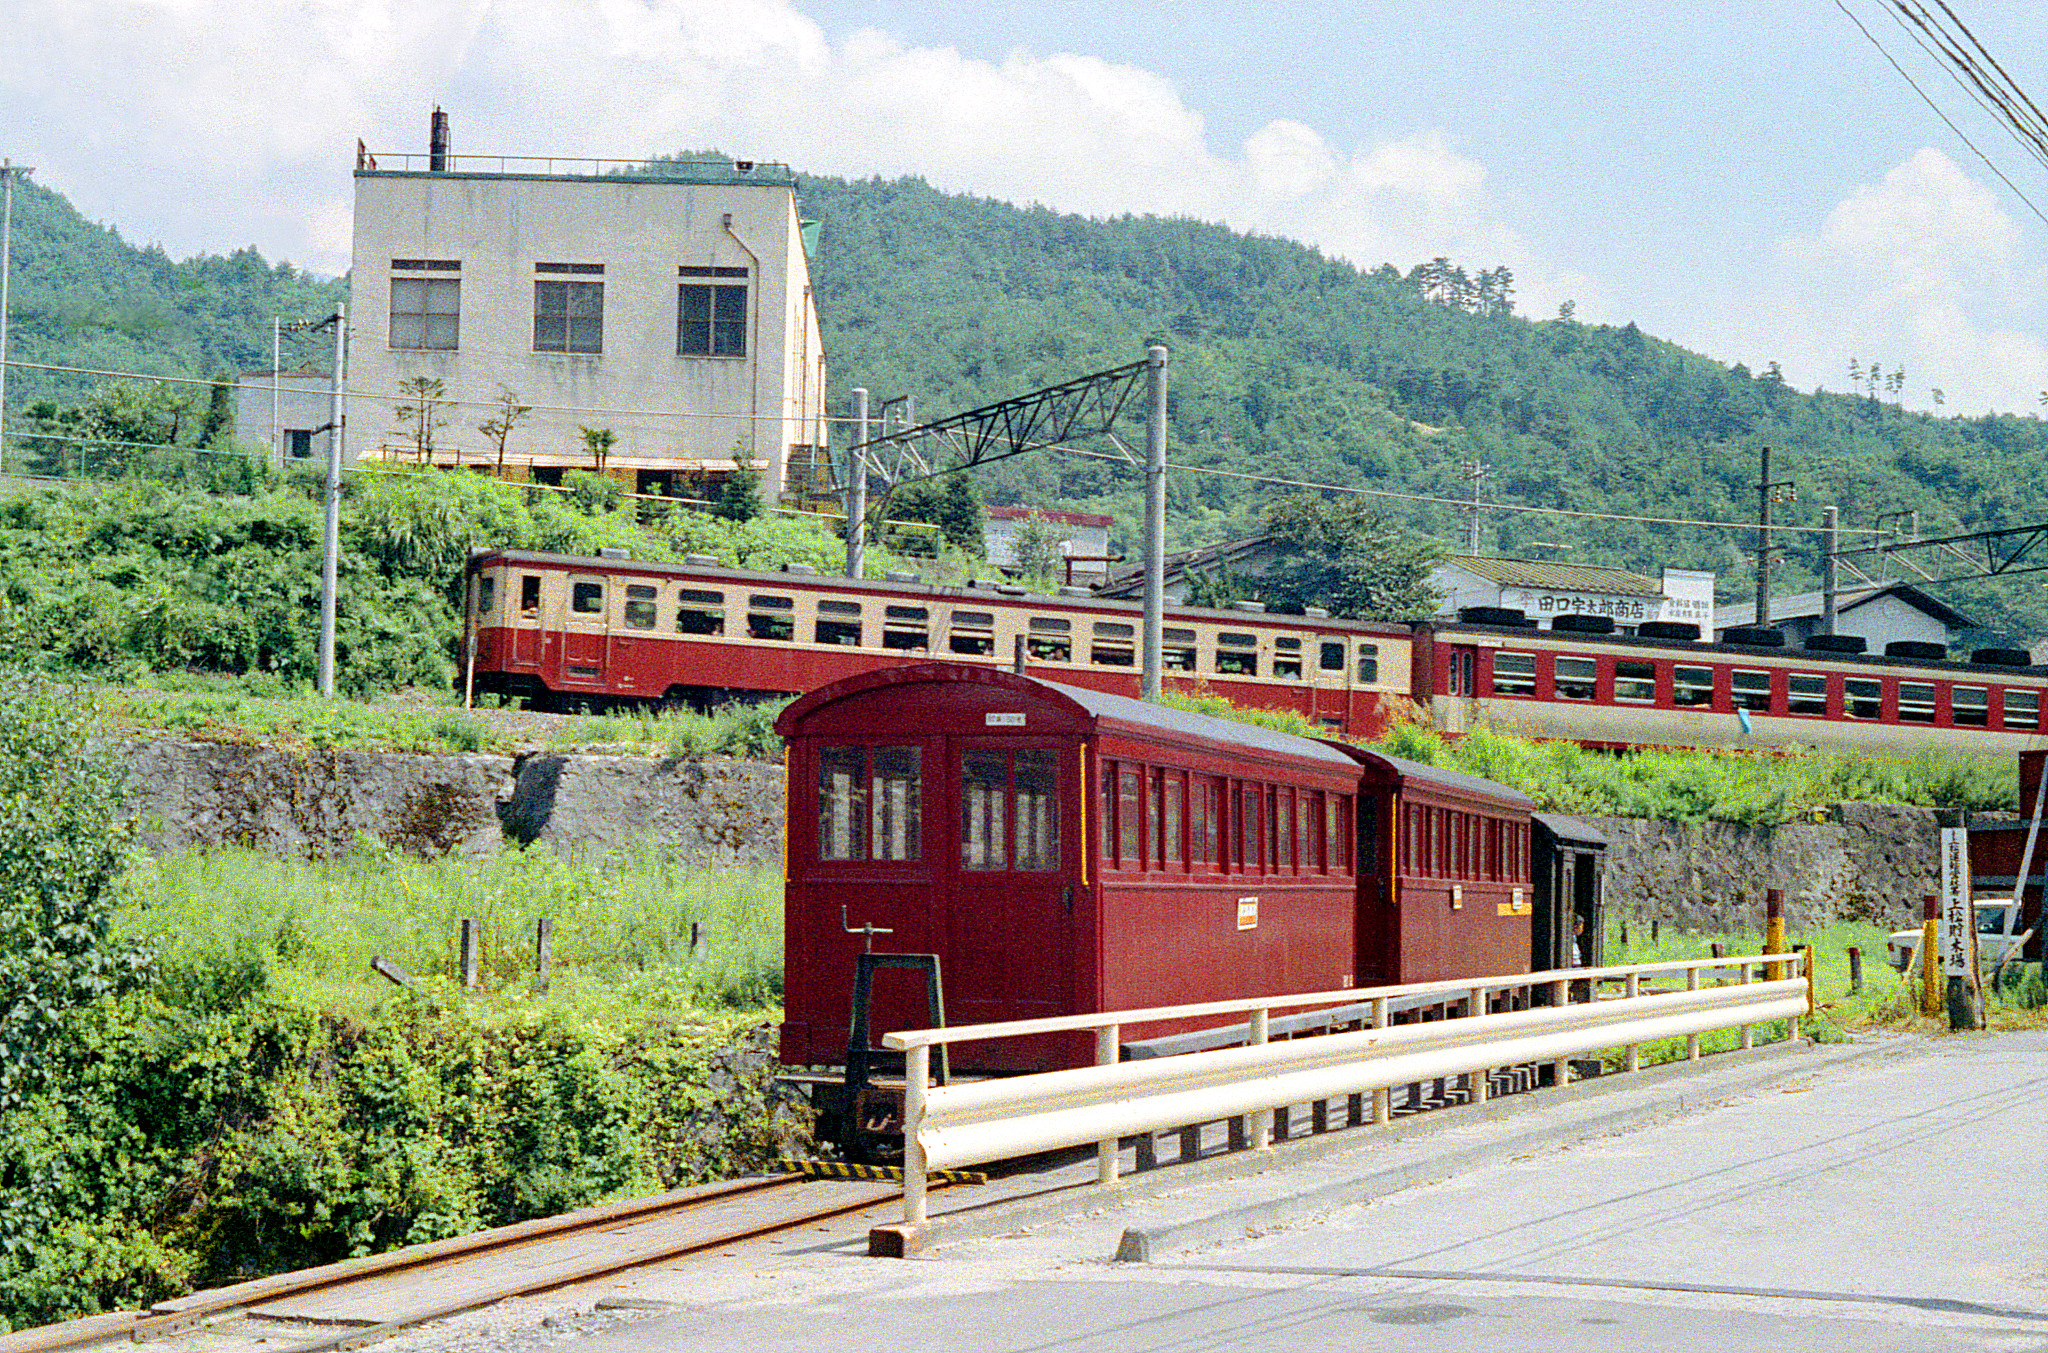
(569, 631)
(1611, 690)
(1064, 850)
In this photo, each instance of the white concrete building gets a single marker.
(670, 304)
(1877, 615)
(290, 411)
(1544, 591)
(1084, 540)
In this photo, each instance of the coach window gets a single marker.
(839, 623)
(1171, 793)
(2022, 709)
(1514, 674)
(1050, 639)
(1035, 774)
(1333, 657)
(1205, 827)
(586, 598)
(1237, 654)
(1807, 694)
(1692, 686)
(529, 594)
(1287, 658)
(640, 606)
(770, 617)
(1916, 702)
(1577, 678)
(1112, 646)
(1251, 817)
(1130, 810)
(1009, 810)
(699, 612)
(1368, 664)
(907, 628)
(1177, 649)
(972, 632)
(1752, 690)
(1969, 706)
(984, 810)
(1635, 683)
(1306, 816)
(1863, 699)
(486, 594)
(870, 803)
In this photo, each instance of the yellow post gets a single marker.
(1930, 958)
(1774, 932)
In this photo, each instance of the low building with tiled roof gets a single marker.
(1544, 590)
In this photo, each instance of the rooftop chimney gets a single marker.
(437, 142)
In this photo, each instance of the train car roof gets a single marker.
(1571, 829)
(1453, 782)
(1706, 650)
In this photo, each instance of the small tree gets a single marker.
(428, 394)
(599, 442)
(740, 498)
(220, 412)
(1035, 546)
(511, 413)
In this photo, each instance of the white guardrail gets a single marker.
(972, 1123)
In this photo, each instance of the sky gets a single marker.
(1752, 181)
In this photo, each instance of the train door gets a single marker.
(1014, 880)
(1460, 686)
(1377, 917)
(632, 648)
(585, 630)
(529, 627)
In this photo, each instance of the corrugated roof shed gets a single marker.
(1558, 577)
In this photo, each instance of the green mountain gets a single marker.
(1285, 363)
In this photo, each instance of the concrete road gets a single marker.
(1895, 1203)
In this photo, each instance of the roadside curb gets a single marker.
(1321, 1172)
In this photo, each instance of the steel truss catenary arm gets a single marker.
(1976, 554)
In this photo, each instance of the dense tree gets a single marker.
(1346, 555)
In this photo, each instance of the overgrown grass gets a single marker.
(228, 922)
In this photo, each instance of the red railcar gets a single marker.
(1063, 850)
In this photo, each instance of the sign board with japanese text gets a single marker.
(1958, 922)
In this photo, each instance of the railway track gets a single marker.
(360, 1301)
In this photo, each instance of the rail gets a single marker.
(948, 1126)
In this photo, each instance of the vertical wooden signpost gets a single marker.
(1958, 927)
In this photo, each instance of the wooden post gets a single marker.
(1478, 1078)
(700, 939)
(543, 952)
(472, 954)
(1855, 971)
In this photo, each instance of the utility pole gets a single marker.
(1830, 542)
(1476, 472)
(1155, 516)
(8, 170)
(331, 538)
(857, 492)
(1768, 492)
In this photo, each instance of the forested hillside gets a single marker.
(1284, 363)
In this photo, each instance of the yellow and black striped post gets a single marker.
(839, 1169)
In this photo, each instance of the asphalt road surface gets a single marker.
(1894, 1203)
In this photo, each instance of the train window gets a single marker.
(1368, 664)
(1237, 654)
(984, 810)
(1916, 702)
(1051, 624)
(529, 594)
(1177, 649)
(1333, 657)
(1287, 644)
(1752, 689)
(2022, 708)
(1249, 817)
(1171, 854)
(1306, 816)
(486, 595)
(1036, 774)
(1576, 678)
(1411, 840)
(844, 631)
(1635, 683)
(699, 612)
(972, 632)
(1130, 808)
(1203, 828)
(1106, 630)
(829, 607)
(897, 800)
(842, 803)
(1009, 810)
(1514, 674)
(1493, 848)
(1280, 835)
(1049, 640)
(1112, 646)
(640, 606)
(1287, 658)
(1692, 686)
(764, 620)
(906, 628)
(1969, 706)
(586, 598)
(1864, 699)
(863, 816)
(1340, 837)
(1808, 694)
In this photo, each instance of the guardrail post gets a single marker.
(1382, 1098)
(1561, 1069)
(1478, 1078)
(917, 1062)
(1106, 1150)
(1634, 1052)
(1692, 1041)
(1803, 968)
(1262, 1123)
(1748, 1030)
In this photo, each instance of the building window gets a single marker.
(568, 316)
(711, 320)
(426, 312)
(299, 442)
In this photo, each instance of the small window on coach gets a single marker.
(972, 633)
(1863, 699)
(1577, 678)
(1051, 639)
(1807, 693)
(1113, 645)
(1514, 674)
(1169, 792)
(838, 623)
(640, 608)
(486, 594)
(770, 616)
(1332, 659)
(2022, 708)
(1287, 658)
(586, 598)
(1177, 649)
(1916, 702)
(1692, 686)
(1205, 822)
(907, 628)
(870, 803)
(1752, 690)
(1635, 683)
(699, 612)
(1009, 810)
(1970, 706)
(529, 594)
(1368, 664)
(1237, 654)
